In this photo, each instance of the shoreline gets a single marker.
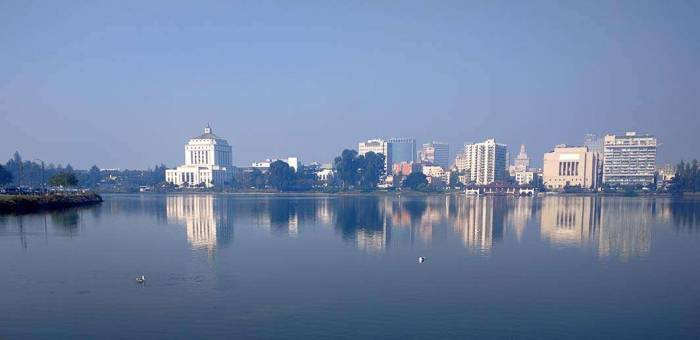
(18, 204)
(402, 193)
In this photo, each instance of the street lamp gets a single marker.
(43, 180)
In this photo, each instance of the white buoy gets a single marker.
(421, 259)
(141, 279)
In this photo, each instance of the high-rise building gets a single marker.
(437, 153)
(461, 162)
(570, 166)
(485, 161)
(377, 146)
(593, 143)
(629, 159)
(207, 161)
(402, 150)
(522, 161)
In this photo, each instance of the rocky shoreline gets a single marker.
(31, 203)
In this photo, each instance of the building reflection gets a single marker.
(479, 222)
(520, 211)
(205, 218)
(569, 221)
(611, 226)
(625, 228)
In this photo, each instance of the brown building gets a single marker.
(572, 166)
(406, 168)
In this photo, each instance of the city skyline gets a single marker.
(277, 79)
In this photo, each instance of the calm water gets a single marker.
(316, 267)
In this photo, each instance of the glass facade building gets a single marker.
(403, 150)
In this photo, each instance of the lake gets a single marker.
(260, 266)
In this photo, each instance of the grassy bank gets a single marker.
(29, 203)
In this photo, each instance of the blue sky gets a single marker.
(125, 84)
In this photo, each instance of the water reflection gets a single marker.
(607, 227)
(570, 221)
(610, 227)
(362, 220)
(617, 227)
(66, 222)
(624, 234)
(206, 219)
(685, 213)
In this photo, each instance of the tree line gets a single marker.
(352, 171)
(687, 177)
(33, 173)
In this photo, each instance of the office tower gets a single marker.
(437, 153)
(629, 159)
(402, 150)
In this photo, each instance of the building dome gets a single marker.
(208, 134)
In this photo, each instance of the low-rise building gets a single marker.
(570, 166)
(264, 165)
(524, 177)
(405, 168)
(499, 189)
(434, 171)
(325, 175)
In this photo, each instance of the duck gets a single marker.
(421, 259)
(141, 279)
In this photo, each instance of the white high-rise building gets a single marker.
(207, 162)
(377, 146)
(629, 159)
(485, 162)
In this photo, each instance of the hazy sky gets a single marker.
(125, 84)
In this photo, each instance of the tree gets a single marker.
(14, 167)
(415, 181)
(159, 173)
(94, 176)
(65, 179)
(454, 179)
(281, 175)
(372, 166)
(346, 165)
(687, 177)
(5, 176)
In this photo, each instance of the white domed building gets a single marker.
(208, 159)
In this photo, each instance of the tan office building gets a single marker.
(573, 166)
